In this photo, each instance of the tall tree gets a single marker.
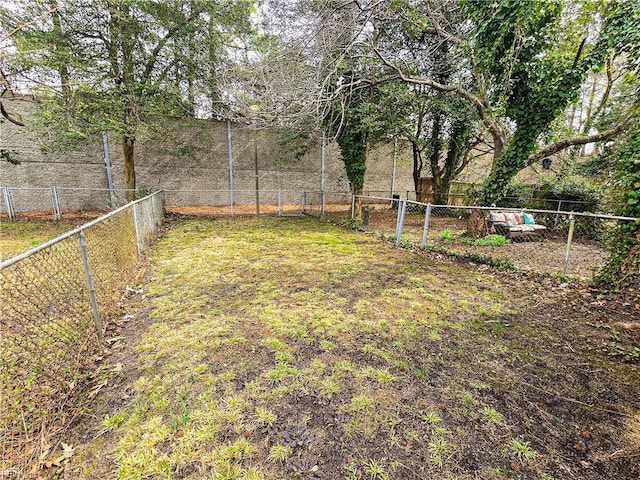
(110, 64)
(526, 67)
(438, 125)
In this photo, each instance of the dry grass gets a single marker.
(19, 236)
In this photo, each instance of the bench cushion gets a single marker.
(515, 222)
(497, 217)
(513, 218)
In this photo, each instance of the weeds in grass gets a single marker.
(330, 386)
(375, 470)
(446, 235)
(280, 453)
(408, 244)
(265, 417)
(114, 421)
(439, 449)
(431, 418)
(521, 450)
(488, 241)
(490, 414)
(327, 344)
(359, 403)
(467, 398)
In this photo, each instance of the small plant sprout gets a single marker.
(467, 398)
(438, 450)
(384, 376)
(490, 414)
(280, 453)
(360, 402)
(375, 470)
(265, 417)
(327, 345)
(446, 235)
(330, 386)
(113, 421)
(432, 418)
(521, 450)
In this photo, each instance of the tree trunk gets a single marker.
(417, 172)
(129, 168)
(358, 203)
(60, 50)
(435, 151)
(513, 159)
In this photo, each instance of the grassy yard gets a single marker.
(286, 348)
(19, 236)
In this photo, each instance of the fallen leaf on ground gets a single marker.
(57, 461)
(94, 391)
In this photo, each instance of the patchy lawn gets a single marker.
(21, 235)
(285, 348)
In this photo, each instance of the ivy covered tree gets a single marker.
(536, 68)
(622, 268)
(526, 62)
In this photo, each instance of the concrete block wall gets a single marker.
(178, 155)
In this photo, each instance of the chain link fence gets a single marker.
(54, 302)
(318, 203)
(559, 243)
(530, 202)
(236, 202)
(53, 202)
(58, 202)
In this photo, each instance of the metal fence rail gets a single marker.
(53, 201)
(461, 199)
(54, 301)
(564, 244)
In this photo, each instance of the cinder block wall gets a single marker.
(181, 155)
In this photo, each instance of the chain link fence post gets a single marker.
(279, 203)
(572, 224)
(136, 230)
(55, 199)
(400, 220)
(425, 229)
(558, 210)
(92, 291)
(7, 201)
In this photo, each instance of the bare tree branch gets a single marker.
(6, 115)
(153, 56)
(25, 25)
(478, 103)
(438, 31)
(583, 140)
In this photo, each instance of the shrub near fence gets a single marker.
(53, 301)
